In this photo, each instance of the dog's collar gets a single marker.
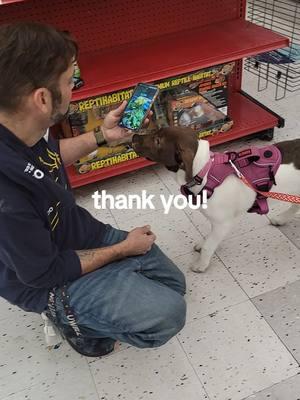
(198, 179)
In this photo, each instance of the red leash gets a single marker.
(290, 198)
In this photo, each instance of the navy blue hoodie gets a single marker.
(40, 224)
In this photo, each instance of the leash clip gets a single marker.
(239, 174)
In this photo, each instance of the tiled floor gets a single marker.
(242, 337)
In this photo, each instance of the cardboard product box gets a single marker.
(204, 89)
(105, 157)
(189, 109)
(211, 82)
(215, 87)
(198, 99)
(87, 115)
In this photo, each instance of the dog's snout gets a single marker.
(138, 143)
(136, 138)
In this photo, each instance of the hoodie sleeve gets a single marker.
(27, 248)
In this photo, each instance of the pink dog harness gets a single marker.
(258, 165)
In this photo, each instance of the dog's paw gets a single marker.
(198, 247)
(202, 262)
(277, 221)
(198, 268)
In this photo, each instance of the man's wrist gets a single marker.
(122, 249)
(99, 136)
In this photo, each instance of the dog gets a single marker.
(180, 151)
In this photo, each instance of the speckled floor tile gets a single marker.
(25, 360)
(292, 230)
(76, 384)
(167, 177)
(83, 193)
(246, 223)
(128, 184)
(176, 235)
(235, 353)
(135, 180)
(122, 216)
(262, 260)
(281, 308)
(288, 108)
(8, 311)
(290, 133)
(154, 374)
(143, 177)
(85, 200)
(286, 390)
(211, 291)
(103, 216)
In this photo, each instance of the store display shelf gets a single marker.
(248, 116)
(173, 54)
(77, 180)
(2, 2)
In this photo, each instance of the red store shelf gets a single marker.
(77, 180)
(2, 2)
(248, 118)
(152, 59)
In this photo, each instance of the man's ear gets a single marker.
(42, 100)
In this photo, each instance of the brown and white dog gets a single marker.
(180, 151)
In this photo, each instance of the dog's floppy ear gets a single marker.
(185, 157)
(175, 168)
(180, 146)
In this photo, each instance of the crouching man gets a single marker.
(98, 284)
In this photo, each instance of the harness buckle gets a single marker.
(198, 180)
(239, 174)
(232, 156)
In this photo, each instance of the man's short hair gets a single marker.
(32, 55)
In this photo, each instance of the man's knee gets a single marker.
(170, 272)
(181, 281)
(171, 321)
(174, 320)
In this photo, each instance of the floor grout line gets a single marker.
(192, 366)
(270, 387)
(273, 330)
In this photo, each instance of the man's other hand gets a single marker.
(139, 241)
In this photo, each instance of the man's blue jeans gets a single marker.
(137, 300)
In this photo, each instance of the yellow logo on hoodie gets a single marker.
(53, 161)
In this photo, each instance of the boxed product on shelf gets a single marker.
(105, 157)
(87, 115)
(189, 109)
(198, 100)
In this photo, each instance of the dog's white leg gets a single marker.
(198, 246)
(217, 234)
(285, 216)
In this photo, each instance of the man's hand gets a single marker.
(110, 128)
(139, 241)
(72, 149)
